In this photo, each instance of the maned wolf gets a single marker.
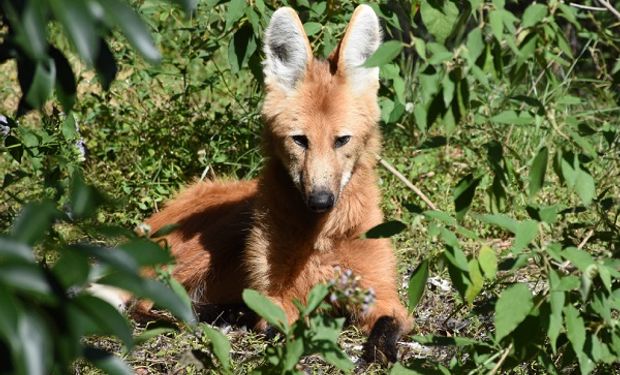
(317, 193)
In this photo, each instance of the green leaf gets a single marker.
(512, 307)
(36, 344)
(150, 289)
(511, 117)
(502, 221)
(576, 333)
(11, 311)
(385, 230)
(440, 216)
(556, 302)
(180, 291)
(439, 21)
(384, 54)
(605, 276)
(269, 311)
(168, 299)
(30, 29)
(236, 10)
(76, 18)
(497, 24)
(533, 14)
(107, 318)
(69, 128)
(464, 194)
(241, 47)
(315, 297)
(461, 342)
(66, 87)
(488, 262)
(584, 187)
(151, 333)
(476, 282)
(119, 260)
(294, 351)
(72, 268)
(119, 13)
(417, 284)
(220, 346)
(475, 45)
(187, 5)
(579, 258)
(84, 199)
(526, 232)
(145, 252)
(399, 369)
(33, 222)
(42, 84)
(312, 28)
(25, 277)
(15, 249)
(165, 230)
(538, 171)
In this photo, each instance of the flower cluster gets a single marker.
(345, 291)
(4, 127)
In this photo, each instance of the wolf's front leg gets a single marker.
(384, 323)
(387, 319)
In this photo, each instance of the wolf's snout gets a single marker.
(321, 200)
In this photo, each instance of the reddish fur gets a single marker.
(260, 234)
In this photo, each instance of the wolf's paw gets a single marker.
(381, 344)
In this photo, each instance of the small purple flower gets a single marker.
(4, 127)
(81, 148)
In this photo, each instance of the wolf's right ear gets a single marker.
(287, 49)
(361, 39)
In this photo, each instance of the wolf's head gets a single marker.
(321, 116)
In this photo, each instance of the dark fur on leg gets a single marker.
(381, 344)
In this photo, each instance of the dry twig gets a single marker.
(610, 7)
(409, 184)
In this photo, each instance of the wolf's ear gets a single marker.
(361, 39)
(287, 49)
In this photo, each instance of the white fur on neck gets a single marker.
(286, 49)
(346, 177)
(363, 37)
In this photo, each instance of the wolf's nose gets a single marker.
(321, 200)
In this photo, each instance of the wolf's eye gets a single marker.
(341, 141)
(301, 140)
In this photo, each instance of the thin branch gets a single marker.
(409, 184)
(610, 7)
(586, 238)
(586, 7)
(501, 360)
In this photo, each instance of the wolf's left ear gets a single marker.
(287, 49)
(361, 39)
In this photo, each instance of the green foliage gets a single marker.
(499, 70)
(42, 67)
(417, 282)
(314, 332)
(48, 309)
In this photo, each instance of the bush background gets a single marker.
(504, 113)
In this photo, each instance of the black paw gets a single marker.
(381, 344)
(271, 333)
